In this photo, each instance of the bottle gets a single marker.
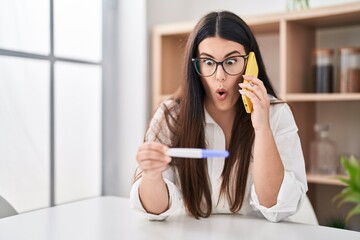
(349, 70)
(323, 70)
(323, 153)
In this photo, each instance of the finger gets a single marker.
(257, 103)
(253, 79)
(254, 99)
(152, 155)
(252, 88)
(255, 85)
(154, 146)
(249, 78)
(262, 87)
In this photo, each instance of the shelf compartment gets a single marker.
(167, 60)
(325, 179)
(330, 27)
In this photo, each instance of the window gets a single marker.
(50, 101)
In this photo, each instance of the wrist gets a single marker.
(151, 177)
(262, 130)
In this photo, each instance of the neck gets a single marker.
(224, 119)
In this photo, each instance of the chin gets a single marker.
(226, 106)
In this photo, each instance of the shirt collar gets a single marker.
(208, 118)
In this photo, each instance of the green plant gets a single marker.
(297, 4)
(337, 222)
(351, 192)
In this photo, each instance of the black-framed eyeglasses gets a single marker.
(233, 65)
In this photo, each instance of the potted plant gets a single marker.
(351, 192)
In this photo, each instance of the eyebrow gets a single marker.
(228, 54)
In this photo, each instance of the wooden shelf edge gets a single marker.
(318, 12)
(312, 12)
(322, 97)
(325, 179)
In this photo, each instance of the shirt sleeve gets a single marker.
(294, 185)
(175, 201)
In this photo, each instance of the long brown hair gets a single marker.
(186, 121)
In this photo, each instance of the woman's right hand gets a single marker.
(152, 159)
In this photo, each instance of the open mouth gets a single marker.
(221, 93)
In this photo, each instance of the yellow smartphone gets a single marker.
(251, 70)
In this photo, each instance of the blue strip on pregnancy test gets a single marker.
(214, 153)
(196, 153)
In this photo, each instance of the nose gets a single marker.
(220, 73)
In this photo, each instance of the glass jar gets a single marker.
(349, 70)
(323, 153)
(323, 70)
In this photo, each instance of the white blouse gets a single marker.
(293, 187)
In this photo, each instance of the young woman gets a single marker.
(264, 174)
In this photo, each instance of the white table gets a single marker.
(109, 218)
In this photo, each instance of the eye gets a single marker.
(208, 62)
(231, 61)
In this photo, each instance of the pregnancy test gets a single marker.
(196, 153)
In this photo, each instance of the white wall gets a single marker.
(132, 87)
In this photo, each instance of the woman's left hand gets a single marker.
(261, 102)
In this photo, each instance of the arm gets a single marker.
(153, 192)
(268, 170)
(293, 184)
(293, 188)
